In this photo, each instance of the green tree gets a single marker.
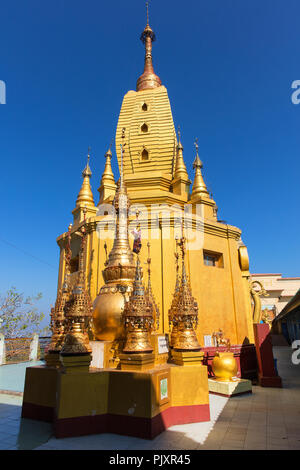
(18, 314)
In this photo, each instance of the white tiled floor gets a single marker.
(267, 419)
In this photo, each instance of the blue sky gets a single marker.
(228, 67)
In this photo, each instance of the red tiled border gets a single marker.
(146, 428)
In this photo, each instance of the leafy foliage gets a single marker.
(18, 314)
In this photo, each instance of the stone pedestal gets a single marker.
(133, 403)
(267, 375)
(229, 389)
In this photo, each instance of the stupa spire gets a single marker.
(148, 79)
(149, 293)
(107, 187)
(185, 315)
(121, 254)
(138, 317)
(199, 187)
(108, 176)
(180, 168)
(85, 195)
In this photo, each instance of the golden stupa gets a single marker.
(155, 177)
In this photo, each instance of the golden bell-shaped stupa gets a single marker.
(185, 314)
(78, 311)
(138, 318)
(118, 274)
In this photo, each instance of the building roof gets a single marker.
(290, 306)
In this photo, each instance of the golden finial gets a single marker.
(199, 187)
(108, 176)
(147, 8)
(180, 168)
(148, 79)
(85, 196)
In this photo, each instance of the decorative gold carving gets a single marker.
(219, 340)
(257, 290)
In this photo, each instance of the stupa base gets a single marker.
(187, 358)
(52, 359)
(141, 361)
(90, 402)
(229, 388)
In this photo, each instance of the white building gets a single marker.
(280, 290)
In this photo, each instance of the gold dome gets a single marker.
(107, 312)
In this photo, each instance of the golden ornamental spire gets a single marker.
(121, 255)
(185, 314)
(78, 310)
(150, 295)
(63, 296)
(172, 310)
(119, 270)
(137, 317)
(148, 79)
(199, 187)
(108, 176)
(85, 196)
(180, 168)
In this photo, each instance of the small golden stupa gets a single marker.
(78, 310)
(58, 321)
(185, 313)
(138, 317)
(172, 320)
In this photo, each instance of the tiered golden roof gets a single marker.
(138, 317)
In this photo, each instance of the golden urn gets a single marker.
(107, 312)
(224, 366)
